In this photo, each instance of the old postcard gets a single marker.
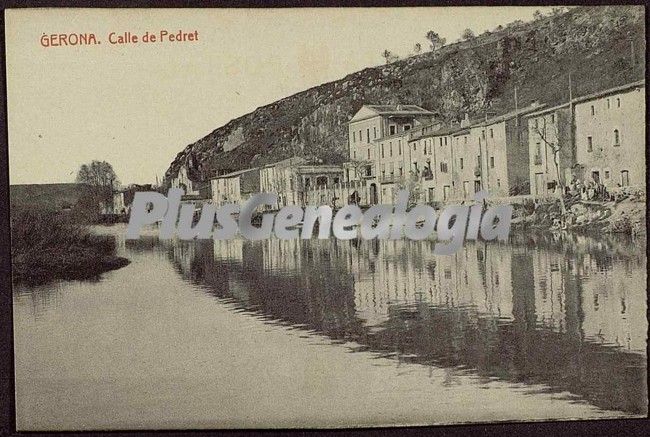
(337, 217)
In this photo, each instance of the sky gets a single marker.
(138, 105)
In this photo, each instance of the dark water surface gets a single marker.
(329, 333)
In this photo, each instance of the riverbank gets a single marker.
(47, 245)
(626, 216)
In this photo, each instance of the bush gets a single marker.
(45, 246)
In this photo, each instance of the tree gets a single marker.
(557, 11)
(359, 167)
(389, 56)
(555, 146)
(436, 42)
(102, 179)
(537, 15)
(417, 48)
(98, 174)
(467, 34)
(411, 183)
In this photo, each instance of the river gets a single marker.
(332, 333)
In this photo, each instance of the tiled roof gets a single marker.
(399, 109)
(294, 160)
(509, 115)
(236, 173)
(640, 83)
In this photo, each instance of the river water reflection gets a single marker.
(539, 328)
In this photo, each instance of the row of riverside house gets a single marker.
(533, 150)
(595, 139)
(294, 180)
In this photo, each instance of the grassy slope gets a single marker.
(80, 201)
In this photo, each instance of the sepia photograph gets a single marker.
(323, 218)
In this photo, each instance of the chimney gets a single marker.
(465, 121)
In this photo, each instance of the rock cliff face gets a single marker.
(600, 47)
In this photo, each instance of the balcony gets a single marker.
(387, 179)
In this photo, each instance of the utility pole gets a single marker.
(574, 152)
(516, 103)
(517, 117)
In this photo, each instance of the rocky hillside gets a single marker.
(601, 47)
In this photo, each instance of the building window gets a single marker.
(440, 140)
(606, 174)
(360, 136)
(491, 133)
(354, 154)
(483, 134)
(618, 102)
(368, 154)
(608, 104)
(443, 167)
(399, 147)
(552, 118)
(382, 150)
(498, 183)
(407, 127)
(391, 129)
(537, 159)
(354, 137)
(491, 161)
(390, 148)
(590, 145)
(536, 123)
(616, 138)
(461, 163)
(625, 178)
(415, 146)
(593, 110)
(465, 139)
(401, 171)
(445, 141)
(368, 134)
(374, 129)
